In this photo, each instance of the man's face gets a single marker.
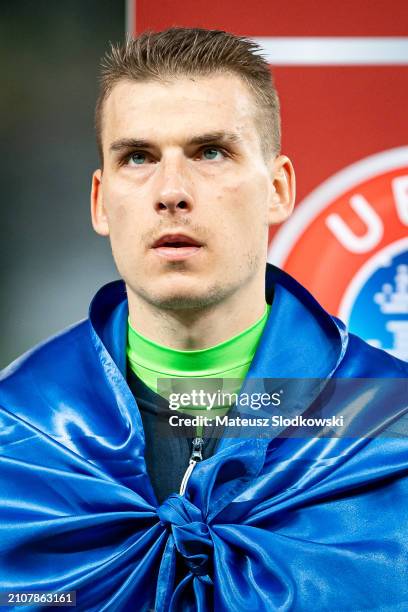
(186, 194)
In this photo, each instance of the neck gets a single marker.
(198, 329)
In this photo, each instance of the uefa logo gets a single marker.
(347, 242)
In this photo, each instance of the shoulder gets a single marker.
(371, 362)
(52, 360)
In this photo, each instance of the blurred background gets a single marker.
(51, 262)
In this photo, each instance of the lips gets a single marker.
(176, 241)
(175, 247)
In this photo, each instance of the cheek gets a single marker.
(121, 229)
(115, 202)
(118, 215)
(120, 206)
(246, 201)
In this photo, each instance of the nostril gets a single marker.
(182, 204)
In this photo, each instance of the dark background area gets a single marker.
(51, 260)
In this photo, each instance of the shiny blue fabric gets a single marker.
(281, 524)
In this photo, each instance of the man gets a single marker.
(96, 500)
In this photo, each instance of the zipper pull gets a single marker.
(197, 449)
(195, 457)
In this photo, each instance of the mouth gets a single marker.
(175, 247)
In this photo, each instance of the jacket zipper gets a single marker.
(195, 457)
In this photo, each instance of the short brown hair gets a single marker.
(154, 56)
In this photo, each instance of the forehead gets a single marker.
(178, 107)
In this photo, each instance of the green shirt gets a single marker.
(231, 359)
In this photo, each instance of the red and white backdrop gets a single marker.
(341, 69)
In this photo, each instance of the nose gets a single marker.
(174, 193)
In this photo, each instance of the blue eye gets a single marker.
(137, 158)
(211, 153)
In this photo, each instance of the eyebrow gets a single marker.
(221, 137)
(202, 139)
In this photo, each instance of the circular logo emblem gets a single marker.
(347, 242)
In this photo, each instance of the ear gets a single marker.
(98, 213)
(284, 190)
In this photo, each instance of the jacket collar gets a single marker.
(300, 339)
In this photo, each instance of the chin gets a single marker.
(184, 296)
(181, 301)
